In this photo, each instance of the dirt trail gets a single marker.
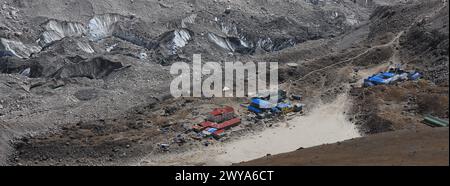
(394, 42)
(323, 125)
(364, 73)
(395, 58)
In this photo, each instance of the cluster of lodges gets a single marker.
(218, 121)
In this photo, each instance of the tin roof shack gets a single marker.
(435, 121)
(202, 126)
(207, 124)
(390, 77)
(264, 108)
(209, 131)
(220, 115)
(228, 124)
(259, 106)
(219, 134)
(285, 107)
(217, 122)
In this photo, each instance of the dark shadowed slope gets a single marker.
(406, 147)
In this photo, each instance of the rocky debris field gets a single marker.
(87, 82)
(398, 107)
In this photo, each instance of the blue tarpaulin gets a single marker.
(262, 104)
(388, 75)
(212, 130)
(378, 79)
(391, 77)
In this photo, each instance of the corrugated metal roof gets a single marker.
(219, 111)
(229, 123)
(262, 103)
(207, 124)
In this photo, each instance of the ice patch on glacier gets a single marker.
(102, 26)
(56, 30)
(19, 49)
(172, 42)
